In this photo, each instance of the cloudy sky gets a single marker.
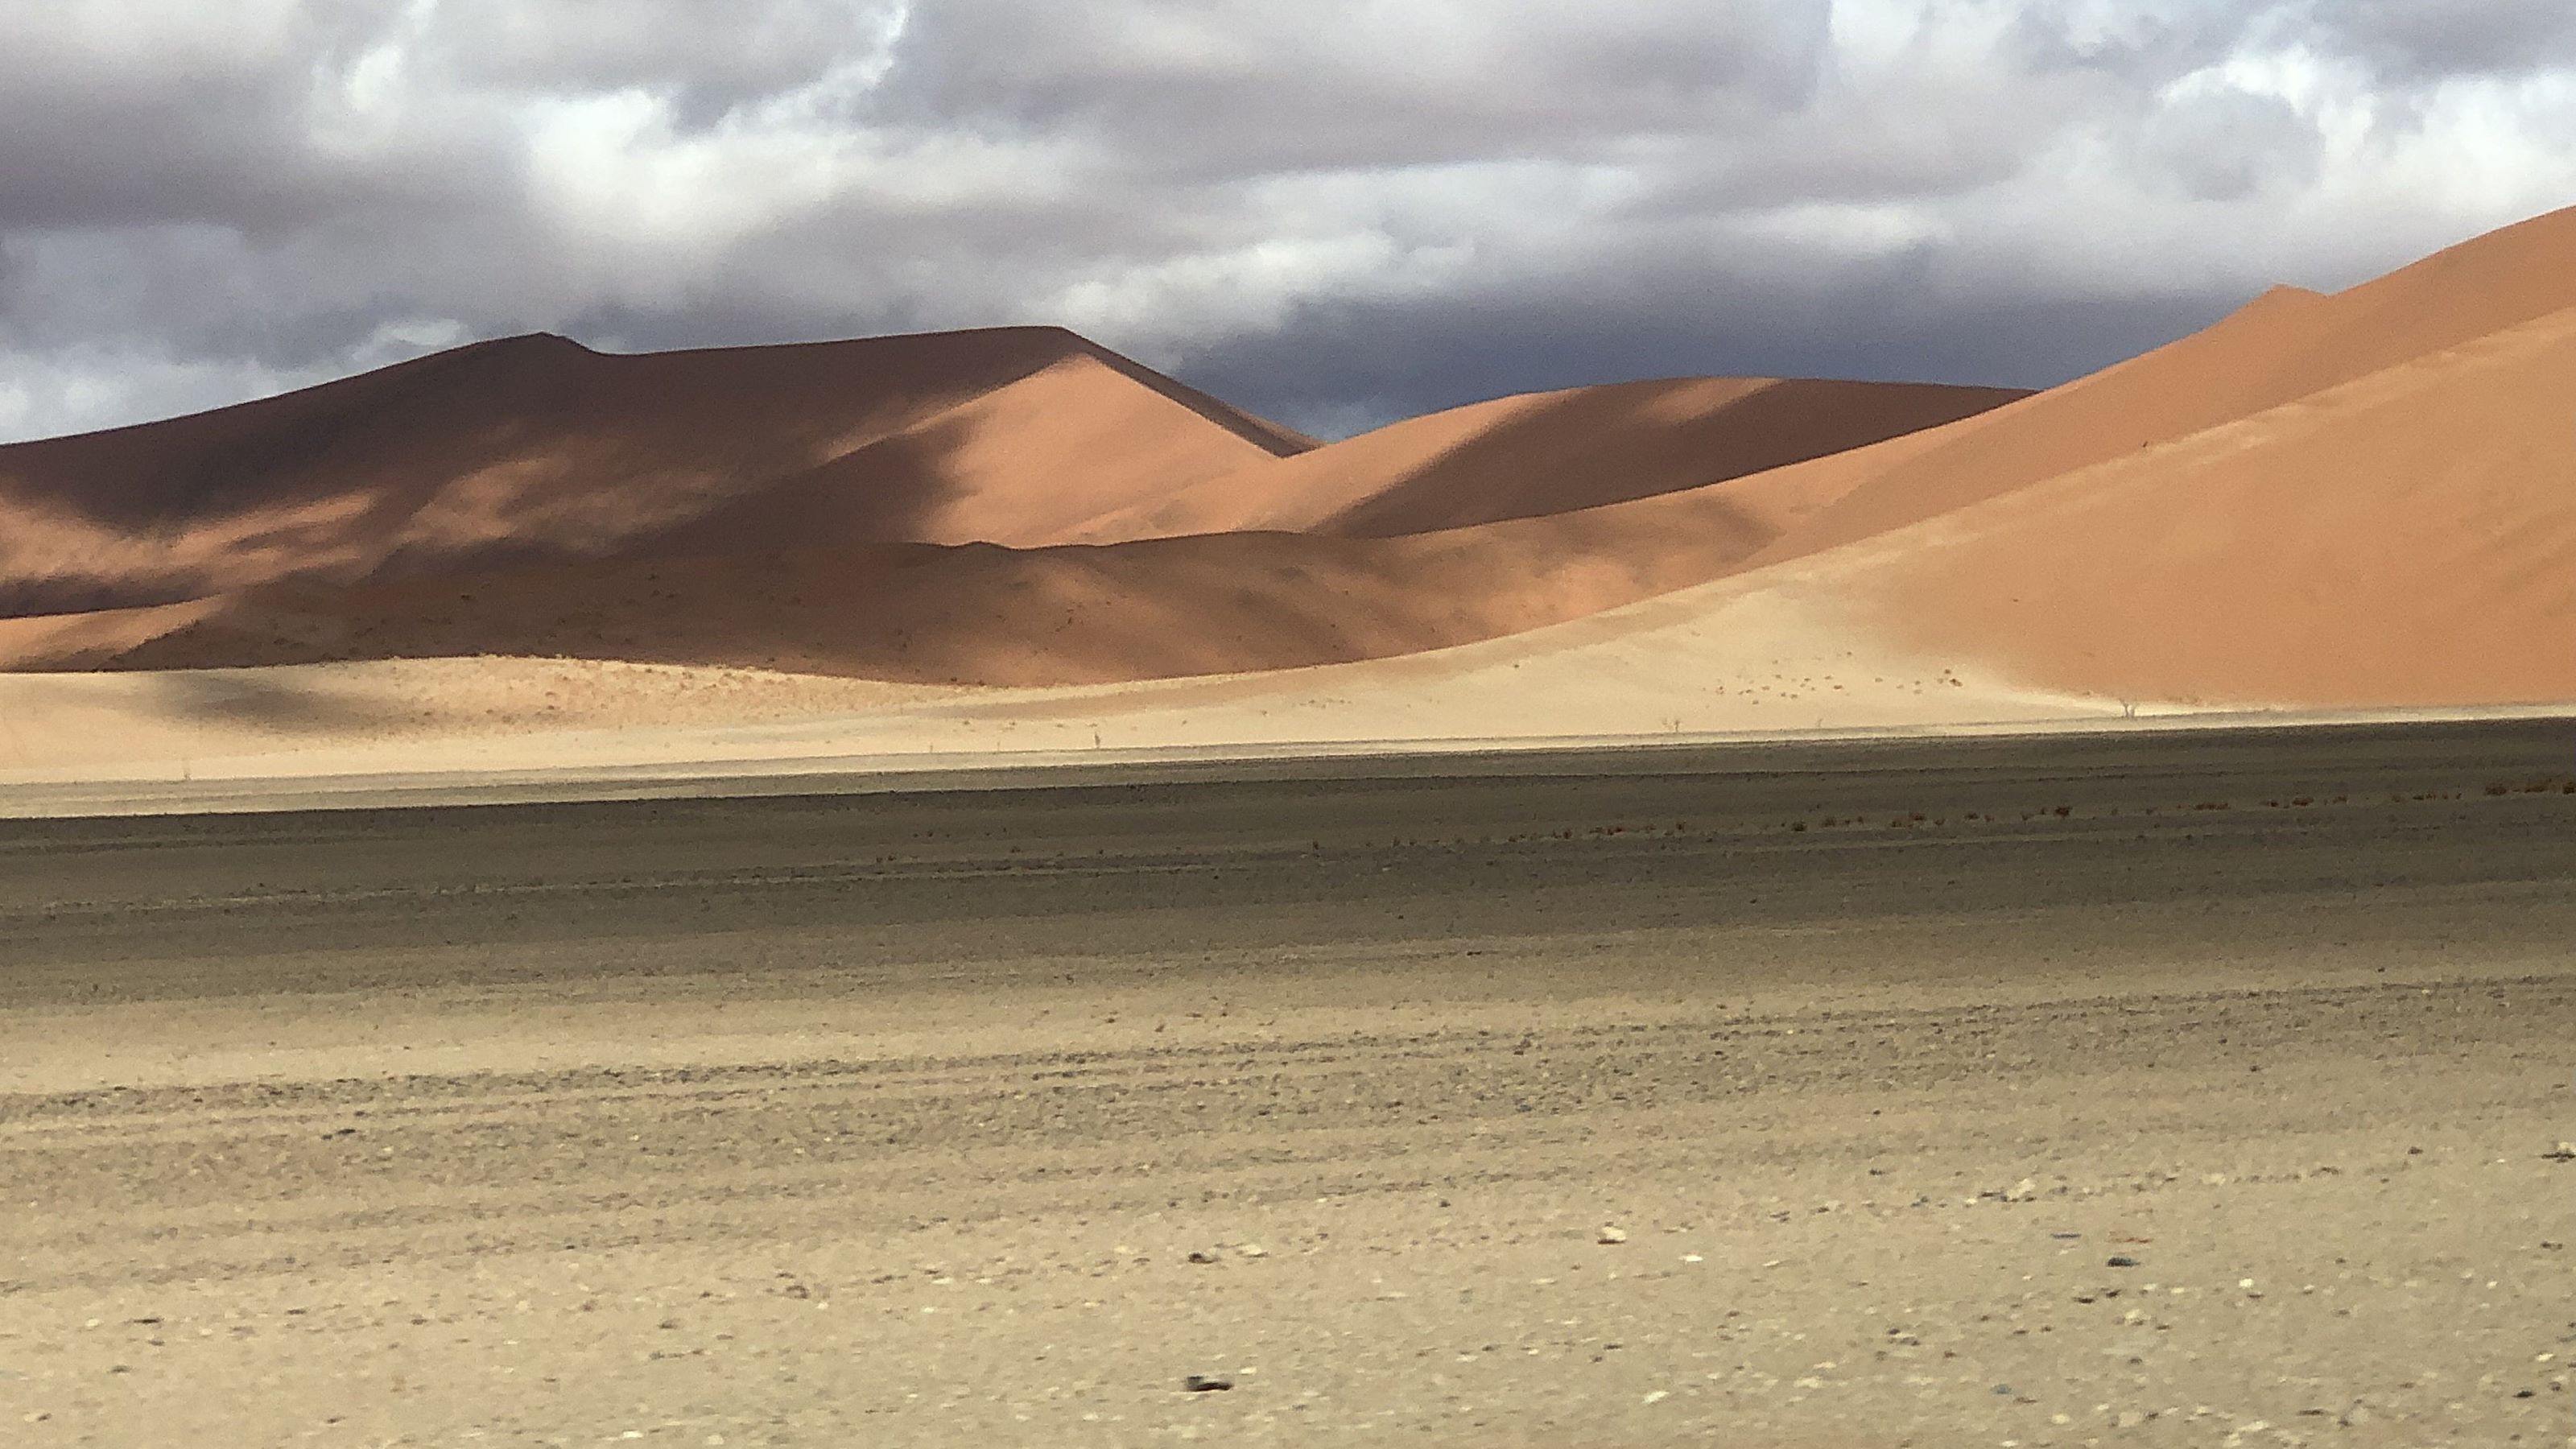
(1335, 211)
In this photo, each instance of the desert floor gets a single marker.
(1955, 1092)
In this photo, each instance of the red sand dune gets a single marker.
(2351, 499)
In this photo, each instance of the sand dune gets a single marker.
(536, 446)
(2406, 538)
(2356, 500)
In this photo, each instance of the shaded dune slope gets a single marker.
(981, 614)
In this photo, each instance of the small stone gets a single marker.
(2566, 1153)
(1611, 1237)
(1205, 1384)
(1659, 1395)
(2023, 1191)
(1202, 1257)
(2120, 1260)
(1253, 1250)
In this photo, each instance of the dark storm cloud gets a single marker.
(1339, 212)
(1888, 320)
(2420, 39)
(1224, 88)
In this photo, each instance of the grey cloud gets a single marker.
(709, 59)
(2429, 39)
(1221, 88)
(2227, 143)
(1339, 211)
(1337, 367)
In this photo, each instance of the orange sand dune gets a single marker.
(536, 445)
(2357, 499)
(2287, 345)
(2408, 538)
(1521, 457)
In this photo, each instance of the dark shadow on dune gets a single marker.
(39, 597)
(273, 705)
(985, 614)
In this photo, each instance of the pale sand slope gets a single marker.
(1761, 657)
(536, 445)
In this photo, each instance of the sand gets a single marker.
(1768, 659)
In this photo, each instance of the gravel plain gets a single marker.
(2150, 1090)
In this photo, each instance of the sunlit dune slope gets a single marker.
(2408, 538)
(2287, 345)
(538, 446)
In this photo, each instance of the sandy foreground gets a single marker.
(1777, 659)
(2177, 1090)
(1724, 661)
